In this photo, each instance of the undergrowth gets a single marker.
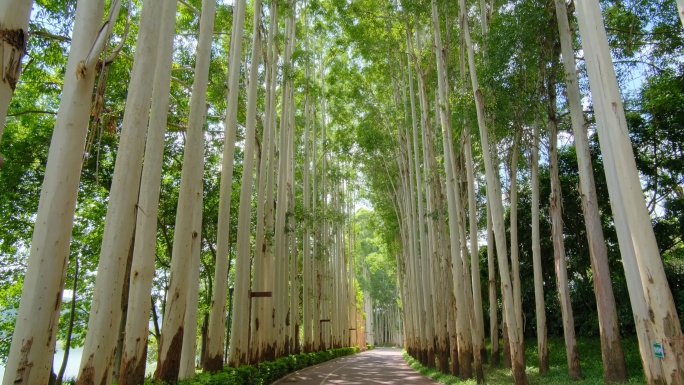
(590, 359)
(263, 373)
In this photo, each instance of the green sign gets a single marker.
(658, 350)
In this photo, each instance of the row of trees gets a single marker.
(157, 134)
(527, 53)
(280, 129)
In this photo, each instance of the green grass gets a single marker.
(590, 360)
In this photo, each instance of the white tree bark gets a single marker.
(33, 340)
(188, 228)
(465, 349)
(625, 187)
(262, 324)
(14, 18)
(474, 254)
(491, 286)
(105, 311)
(496, 206)
(307, 257)
(515, 259)
(614, 367)
(189, 349)
(280, 296)
(217, 317)
(239, 347)
(555, 207)
(142, 267)
(542, 345)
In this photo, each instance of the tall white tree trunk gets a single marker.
(33, 339)
(280, 296)
(14, 18)
(474, 252)
(217, 316)
(491, 286)
(555, 207)
(542, 345)
(625, 189)
(188, 228)
(189, 349)
(261, 318)
(515, 259)
(680, 9)
(271, 96)
(464, 341)
(307, 257)
(105, 311)
(239, 347)
(142, 267)
(293, 315)
(614, 368)
(496, 206)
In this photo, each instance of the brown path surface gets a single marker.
(377, 366)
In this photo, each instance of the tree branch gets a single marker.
(32, 112)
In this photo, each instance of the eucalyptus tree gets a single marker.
(307, 257)
(33, 339)
(215, 336)
(463, 336)
(635, 232)
(614, 368)
(187, 234)
(424, 252)
(540, 309)
(105, 312)
(263, 259)
(281, 306)
(515, 259)
(239, 347)
(555, 202)
(14, 19)
(134, 350)
(496, 207)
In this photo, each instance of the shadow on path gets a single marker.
(377, 366)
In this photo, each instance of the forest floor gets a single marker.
(590, 361)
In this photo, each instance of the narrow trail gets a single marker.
(377, 366)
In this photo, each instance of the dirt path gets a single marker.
(377, 366)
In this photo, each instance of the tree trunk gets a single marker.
(33, 340)
(464, 341)
(124, 312)
(542, 345)
(496, 205)
(134, 349)
(280, 296)
(189, 348)
(555, 202)
(14, 30)
(239, 347)
(625, 192)
(72, 315)
(307, 257)
(217, 318)
(187, 235)
(614, 368)
(515, 260)
(474, 252)
(491, 286)
(262, 329)
(105, 312)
